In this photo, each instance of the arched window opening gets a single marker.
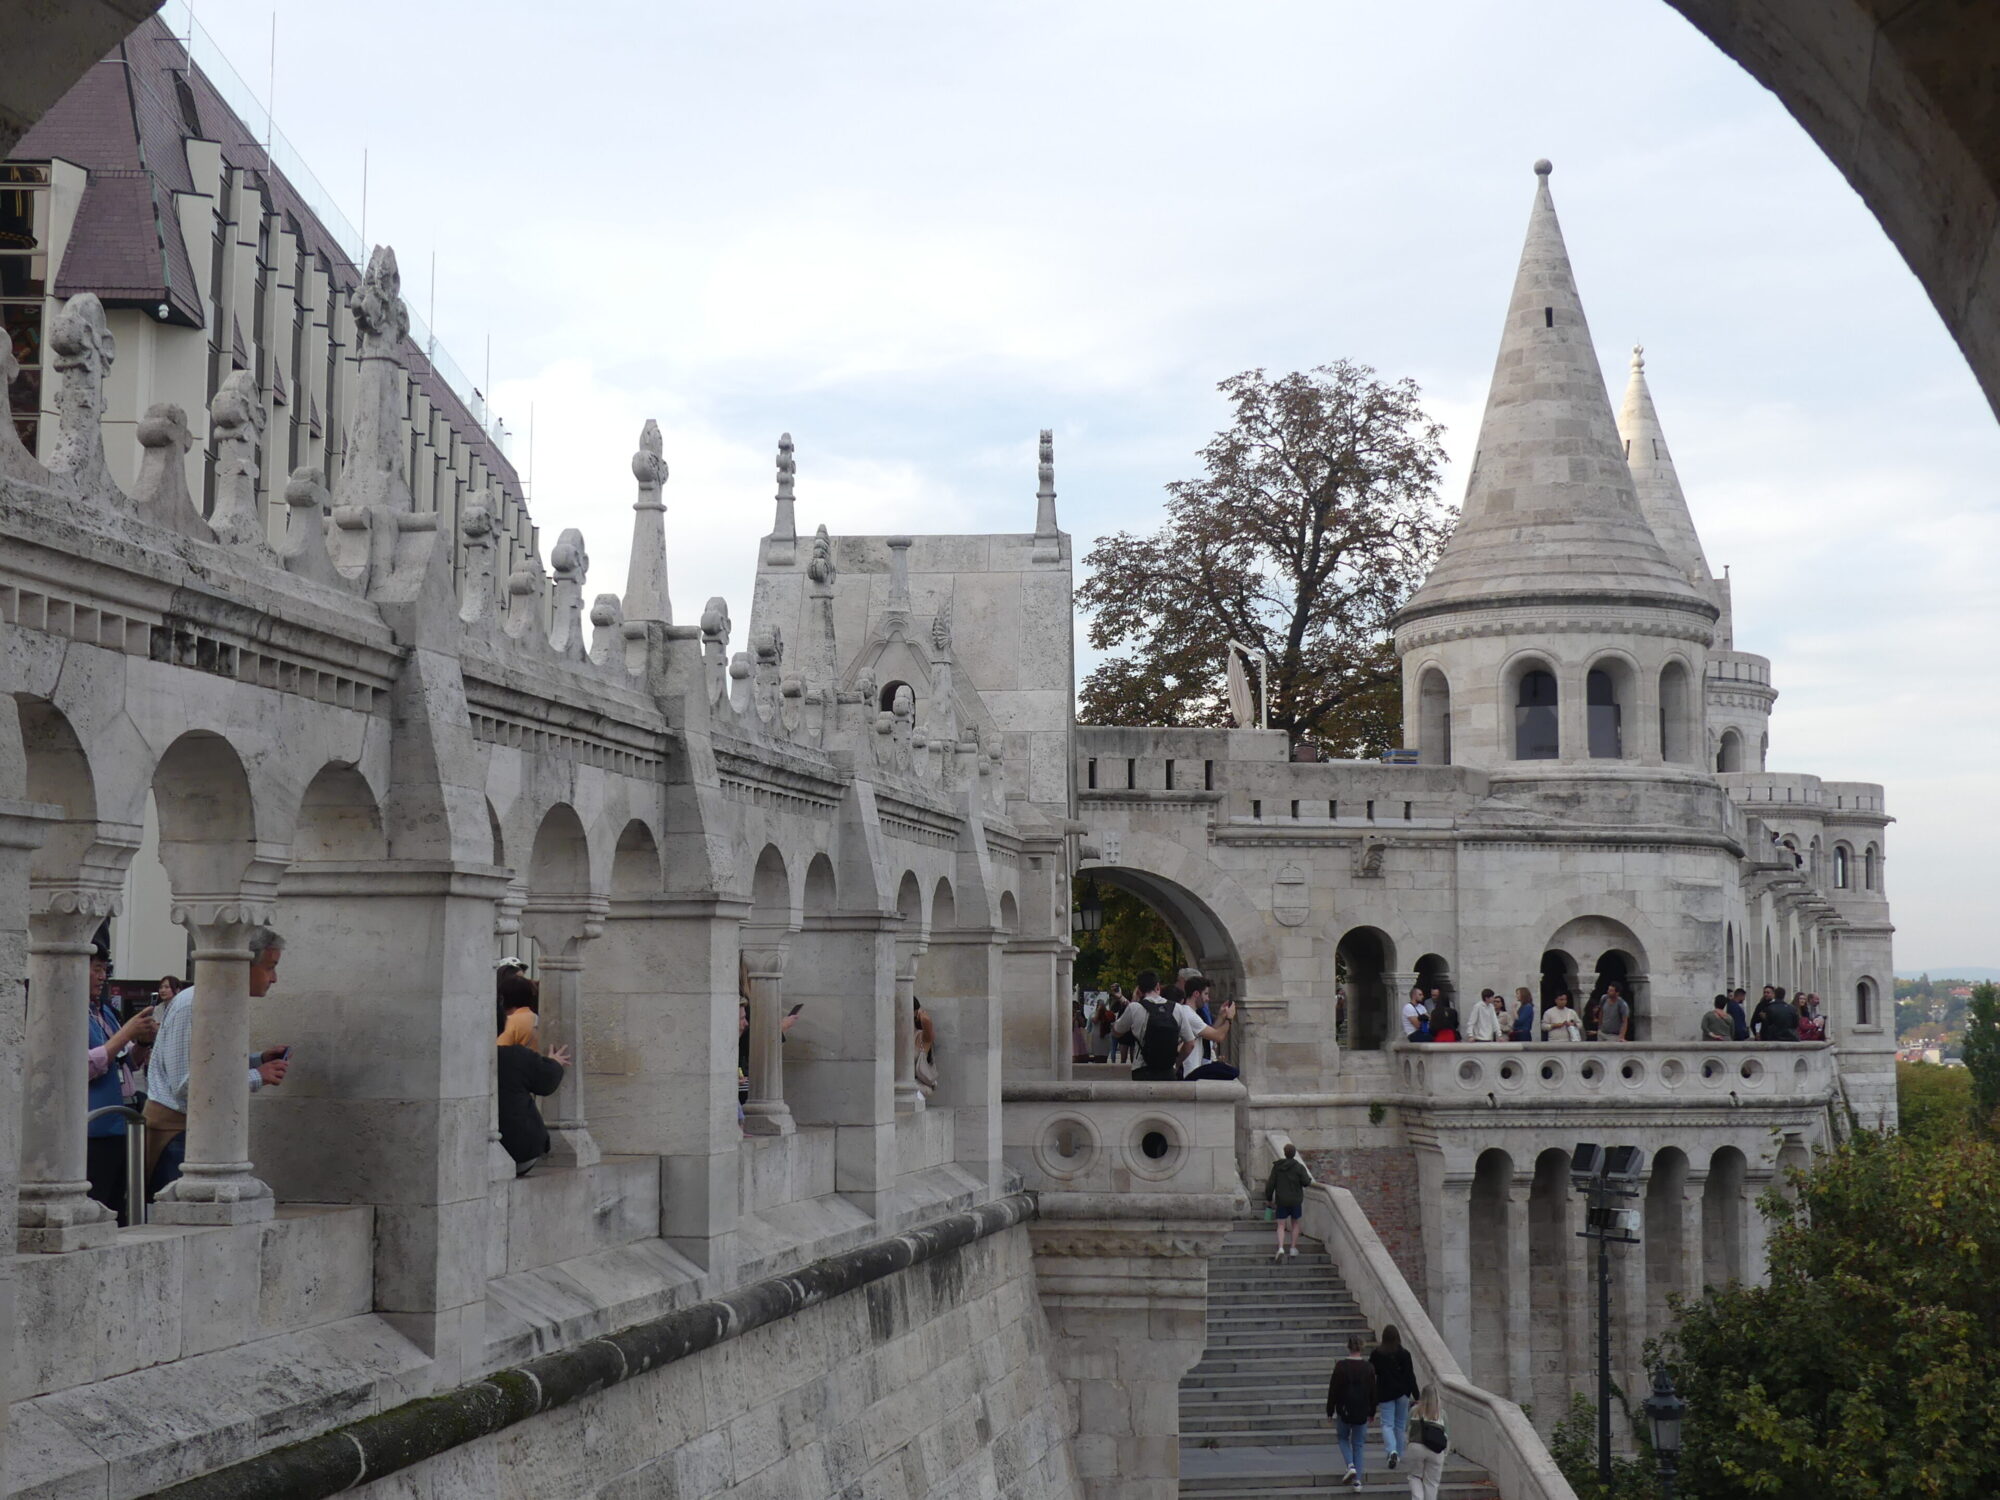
(1729, 956)
(886, 699)
(1536, 735)
(1677, 726)
(1763, 752)
(1361, 965)
(1600, 695)
(1864, 1003)
(1729, 754)
(1434, 719)
(1871, 870)
(1433, 973)
(1840, 876)
(1558, 977)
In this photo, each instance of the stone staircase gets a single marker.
(1253, 1409)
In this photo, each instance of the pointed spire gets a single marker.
(646, 596)
(786, 524)
(1659, 488)
(1045, 496)
(1550, 509)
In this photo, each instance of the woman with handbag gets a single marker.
(1429, 1443)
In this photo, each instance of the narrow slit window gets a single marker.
(1406, 811)
(1131, 774)
(1548, 317)
(1371, 810)
(1256, 809)
(1208, 776)
(1170, 776)
(1333, 810)
(1295, 809)
(1090, 773)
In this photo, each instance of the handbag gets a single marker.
(926, 1072)
(1429, 1433)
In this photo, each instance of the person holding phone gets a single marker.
(116, 1048)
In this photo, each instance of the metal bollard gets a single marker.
(135, 1158)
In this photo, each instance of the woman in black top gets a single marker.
(1395, 1385)
(524, 1073)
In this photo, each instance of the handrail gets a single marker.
(1488, 1430)
(135, 1157)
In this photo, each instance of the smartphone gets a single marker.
(284, 1055)
(796, 1008)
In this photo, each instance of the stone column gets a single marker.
(217, 1184)
(766, 1113)
(1452, 1289)
(1756, 1228)
(560, 928)
(1520, 1293)
(1692, 1276)
(57, 1212)
(1628, 1289)
(22, 826)
(909, 1098)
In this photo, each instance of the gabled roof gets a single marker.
(1550, 509)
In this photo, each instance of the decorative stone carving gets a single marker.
(84, 349)
(475, 527)
(571, 562)
(715, 646)
(1368, 853)
(236, 420)
(162, 497)
(646, 596)
(607, 640)
(524, 607)
(1048, 538)
(781, 547)
(1291, 902)
(373, 474)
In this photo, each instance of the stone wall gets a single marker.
(1383, 1180)
(929, 1384)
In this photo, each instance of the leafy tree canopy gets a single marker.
(1133, 937)
(1316, 518)
(1981, 1051)
(1933, 1104)
(1870, 1365)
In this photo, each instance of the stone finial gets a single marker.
(607, 640)
(822, 570)
(941, 628)
(570, 561)
(715, 646)
(162, 496)
(646, 596)
(1638, 358)
(1045, 492)
(304, 549)
(375, 470)
(84, 349)
(381, 317)
(524, 588)
(1544, 167)
(786, 523)
(475, 528)
(236, 422)
(899, 581)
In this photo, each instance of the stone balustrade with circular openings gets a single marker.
(1517, 1075)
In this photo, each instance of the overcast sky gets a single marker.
(912, 234)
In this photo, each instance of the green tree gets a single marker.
(1133, 937)
(1870, 1365)
(1933, 1104)
(1573, 1445)
(1981, 1051)
(1317, 516)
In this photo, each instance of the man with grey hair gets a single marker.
(167, 1073)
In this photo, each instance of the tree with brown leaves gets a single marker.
(1316, 518)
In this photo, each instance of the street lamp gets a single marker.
(1088, 913)
(1603, 1173)
(1664, 1409)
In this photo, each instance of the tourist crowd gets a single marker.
(1167, 1031)
(1431, 1016)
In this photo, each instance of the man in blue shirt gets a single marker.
(1736, 1015)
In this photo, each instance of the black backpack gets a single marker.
(1160, 1043)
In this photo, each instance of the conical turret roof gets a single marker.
(1550, 512)
(1659, 487)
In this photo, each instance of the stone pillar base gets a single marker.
(768, 1117)
(68, 1219)
(214, 1194)
(909, 1099)
(572, 1146)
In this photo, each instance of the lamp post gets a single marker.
(1664, 1409)
(1603, 1173)
(1088, 914)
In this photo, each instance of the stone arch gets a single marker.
(1728, 956)
(1610, 696)
(1531, 691)
(1729, 752)
(1433, 716)
(208, 816)
(910, 904)
(559, 861)
(771, 902)
(1680, 716)
(1590, 936)
(1196, 925)
(1492, 1271)
(1434, 973)
(1364, 960)
(1871, 869)
(1010, 914)
(1551, 1300)
(822, 892)
(1865, 996)
(1665, 1233)
(1722, 1223)
(493, 832)
(339, 818)
(58, 772)
(635, 863)
(944, 907)
(1558, 978)
(1843, 865)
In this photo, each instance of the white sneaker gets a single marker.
(1350, 1477)
(1295, 1252)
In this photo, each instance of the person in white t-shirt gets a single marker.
(1560, 1022)
(1190, 1033)
(1482, 1022)
(1415, 1017)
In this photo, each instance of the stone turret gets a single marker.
(1654, 479)
(1555, 626)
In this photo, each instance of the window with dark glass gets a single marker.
(1600, 697)
(1536, 736)
(24, 271)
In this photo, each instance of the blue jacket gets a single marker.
(1742, 1025)
(1524, 1024)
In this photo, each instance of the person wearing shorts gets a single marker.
(1286, 1193)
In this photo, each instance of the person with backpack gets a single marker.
(1168, 1034)
(1350, 1406)
(1285, 1191)
(1395, 1388)
(1429, 1442)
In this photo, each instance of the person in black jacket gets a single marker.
(524, 1073)
(1395, 1385)
(1350, 1404)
